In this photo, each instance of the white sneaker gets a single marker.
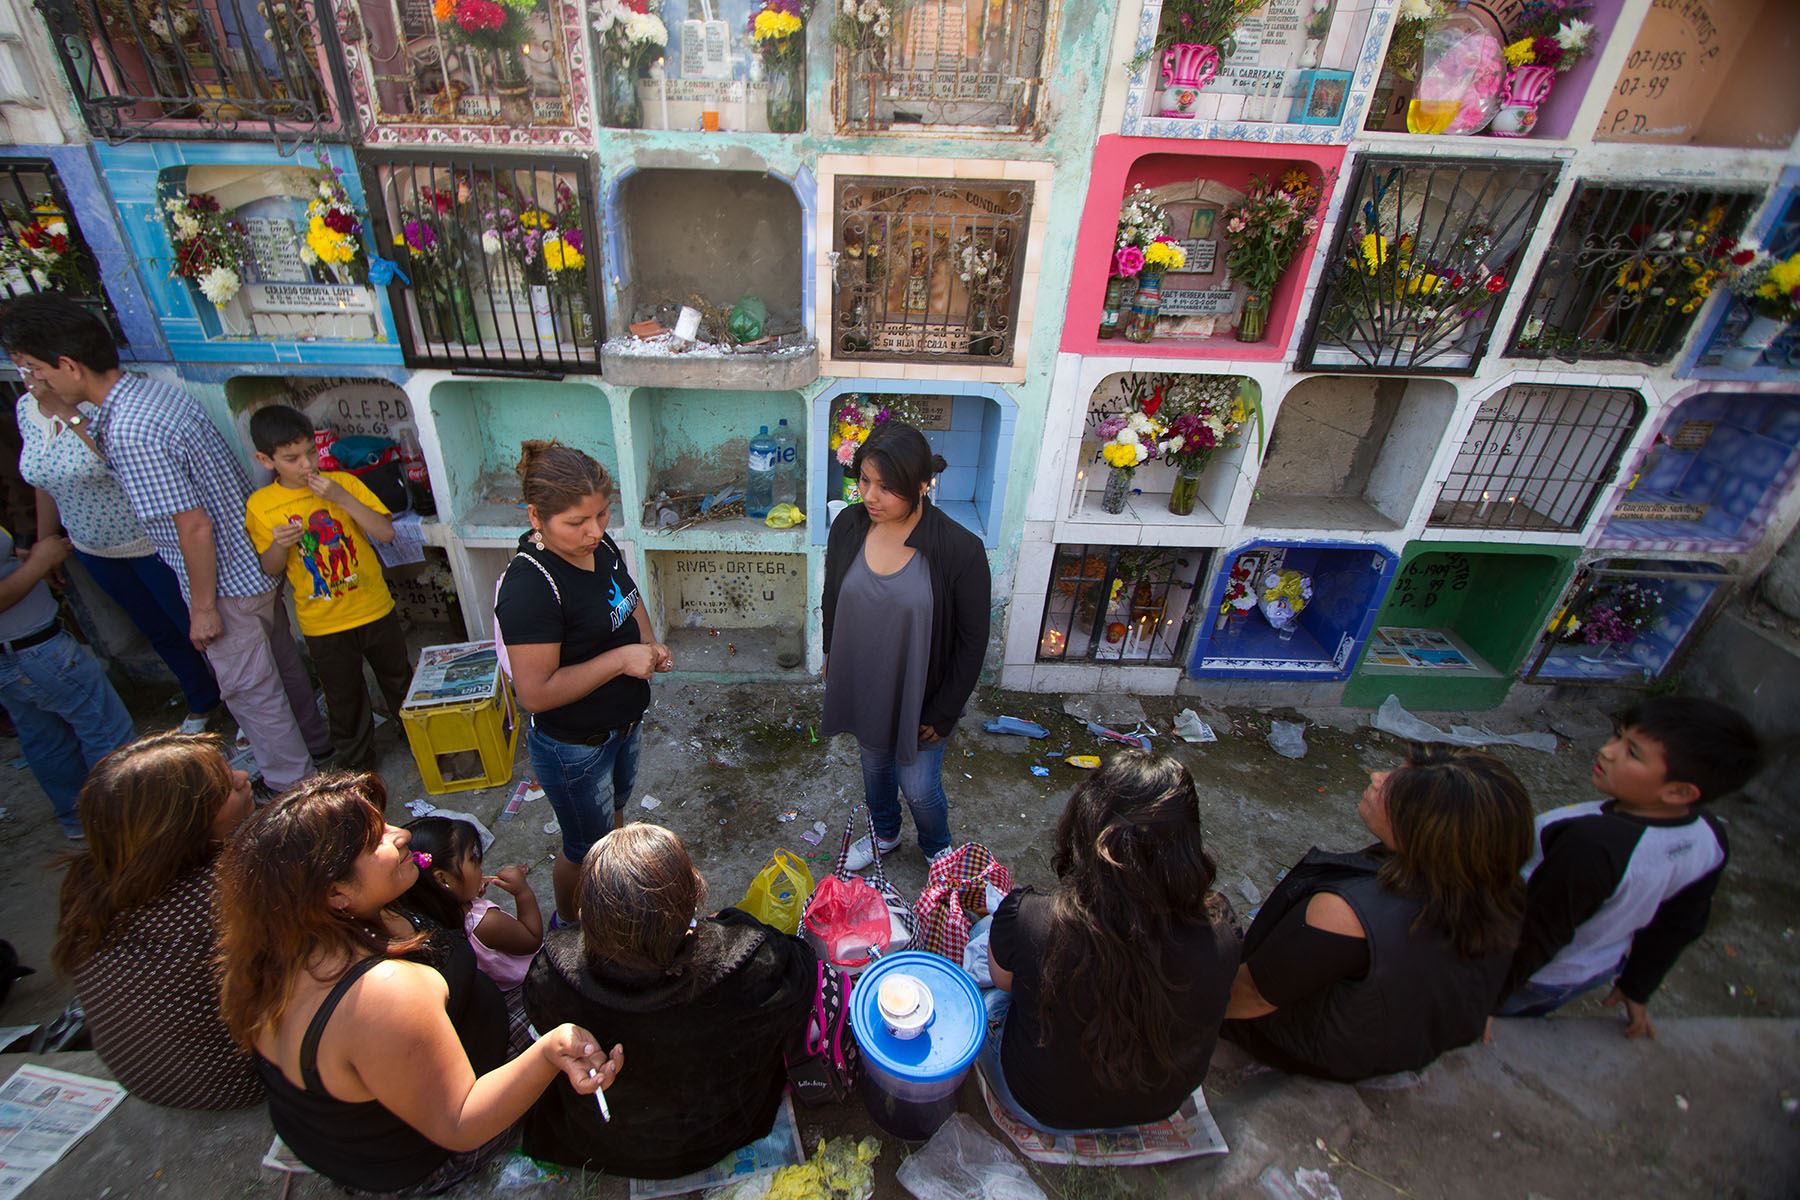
(196, 723)
(861, 856)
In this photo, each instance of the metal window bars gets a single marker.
(1422, 259)
(1119, 604)
(41, 248)
(177, 69)
(1628, 270)
(1537, 458)
(502, 255)
(956, 64)
(928, 271)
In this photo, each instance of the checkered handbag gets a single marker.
(955, 897)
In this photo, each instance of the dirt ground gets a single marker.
(739, 771)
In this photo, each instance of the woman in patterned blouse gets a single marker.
(137, 933)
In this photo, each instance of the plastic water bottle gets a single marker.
(787, 465)
(759, 488)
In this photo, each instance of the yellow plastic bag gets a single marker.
(779, 893)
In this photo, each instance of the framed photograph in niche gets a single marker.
(1319, 97)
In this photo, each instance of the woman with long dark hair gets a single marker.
(137, 934)
(1378, 961)
(581, 650)
(383, 1049)
(1119, 979)
(906, 602)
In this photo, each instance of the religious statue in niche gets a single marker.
(457, 62)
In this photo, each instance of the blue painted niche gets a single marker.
(1688, 590)
(977, 448)
(1777, 230)
(1349, 582)
(140, 175)
(1718, 494)
(93, 215)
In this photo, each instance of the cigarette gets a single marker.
(600, 1097)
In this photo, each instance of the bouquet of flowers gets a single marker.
(1550, 33)
(487, 24)
(1207, 411)
(1142, 223)
(332, 223)
(1240, 593)
(1615, 615)
(1129, 440)
(629, 30)
(1433, 290)
(778, 29)
(39, 251)
(856, 418)
(211, 249)
(1282, 597)
(1769, 285)
(544, 246)
(1268, 227)
(1407, 47)
(1204, 22)
(864, 25)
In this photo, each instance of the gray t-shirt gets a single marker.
(880, 647)
(37, 609)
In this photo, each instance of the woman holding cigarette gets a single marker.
(382, 1048)
(712, 1000)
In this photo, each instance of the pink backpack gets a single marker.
(500, 642)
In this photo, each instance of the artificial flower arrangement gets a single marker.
(629, 30)
(1769, 285)
(1240, 591)
(777, 29)
(1199, 22)
(1268, 227)
(211, 249)
(1550, 33)
(1615, 615)
(332, 223)
(39, 251)
(1283, 596)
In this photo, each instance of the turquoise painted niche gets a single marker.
(693, 440)
(482, 422)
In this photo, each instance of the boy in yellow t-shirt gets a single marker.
(315, 528)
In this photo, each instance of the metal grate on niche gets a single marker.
(41, 249)
(1119, 604)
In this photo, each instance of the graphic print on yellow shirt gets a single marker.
(336, 577)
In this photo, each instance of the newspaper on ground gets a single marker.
(43, 1113)
(778, 1148)
(1190, 1133)
(279, 1157)
(454, 674)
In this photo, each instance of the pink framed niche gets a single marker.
(411, 83)
(1190, 177)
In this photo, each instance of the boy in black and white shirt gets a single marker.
(1616, 889)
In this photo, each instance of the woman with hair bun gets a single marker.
(1377, 962)
(581, 651)
(906, 598)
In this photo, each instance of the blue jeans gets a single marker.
(151, 595)
(584, 784)
(999, 1004)
(884, 780)
(68, 717)
(1542, 999)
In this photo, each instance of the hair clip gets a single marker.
(423, 860)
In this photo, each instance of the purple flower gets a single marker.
(419, 236)
(572, 238)
(1110, 428)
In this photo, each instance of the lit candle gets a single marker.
(660, 73)
(1483, 510)
(1080, 486)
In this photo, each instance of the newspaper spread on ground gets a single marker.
(453, 674)
(279, 1158)
(780, 1147)
(43, 1112)
(1190, 1133)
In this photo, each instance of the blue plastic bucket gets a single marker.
(909, 1085)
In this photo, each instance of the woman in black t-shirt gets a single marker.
(580, 649)
(1119, 980)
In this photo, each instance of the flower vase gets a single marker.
(786, 78)
(574, 321)
(860, 111)
(1185, 490)
(620, 105)
(1253, 321)
(1141, 325)
(1186, 68)
(1753, 343)
(848, 489)
(1285, 633)
(1118, 485)
(1520, 94)
(1114, 305)
(514, 88)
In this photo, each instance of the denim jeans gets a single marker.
(150, 594)
(1542, 999)
(885, 780)
(67, 714)
(987, 1061)
(584, 784)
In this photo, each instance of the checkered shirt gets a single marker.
(170, 458)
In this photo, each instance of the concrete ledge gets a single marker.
(625, 364)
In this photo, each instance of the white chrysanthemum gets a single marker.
(1573, 35)
(490, 242)
(1127, 437)
(1416, 10)
(644, 28)
(186, 226)
(1174, 444)
(308, 255)
(1143, 453)
(219, 285)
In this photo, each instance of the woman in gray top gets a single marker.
(906, 601)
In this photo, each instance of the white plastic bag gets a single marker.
(960, 1162)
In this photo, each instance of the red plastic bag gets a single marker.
(847, 922)
(955, 897)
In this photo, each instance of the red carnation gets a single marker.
(1743, 258)
(479, 16)
(1496, 284)
(339, 221)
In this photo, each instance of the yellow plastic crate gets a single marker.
(460, 747)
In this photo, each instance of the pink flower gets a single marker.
(1128, 261)
(846, 453)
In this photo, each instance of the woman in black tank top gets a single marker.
(381, 1046)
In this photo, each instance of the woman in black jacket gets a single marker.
(906, 624)
(712, 1001)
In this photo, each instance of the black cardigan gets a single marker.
(961, 595)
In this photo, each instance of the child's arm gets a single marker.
(513, 935)
(373, 524)
(273, 545)
(1678, 922)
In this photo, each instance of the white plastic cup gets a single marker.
(687, 324)
(832, 509)
(905, 1005)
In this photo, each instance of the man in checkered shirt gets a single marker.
(188, 487)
